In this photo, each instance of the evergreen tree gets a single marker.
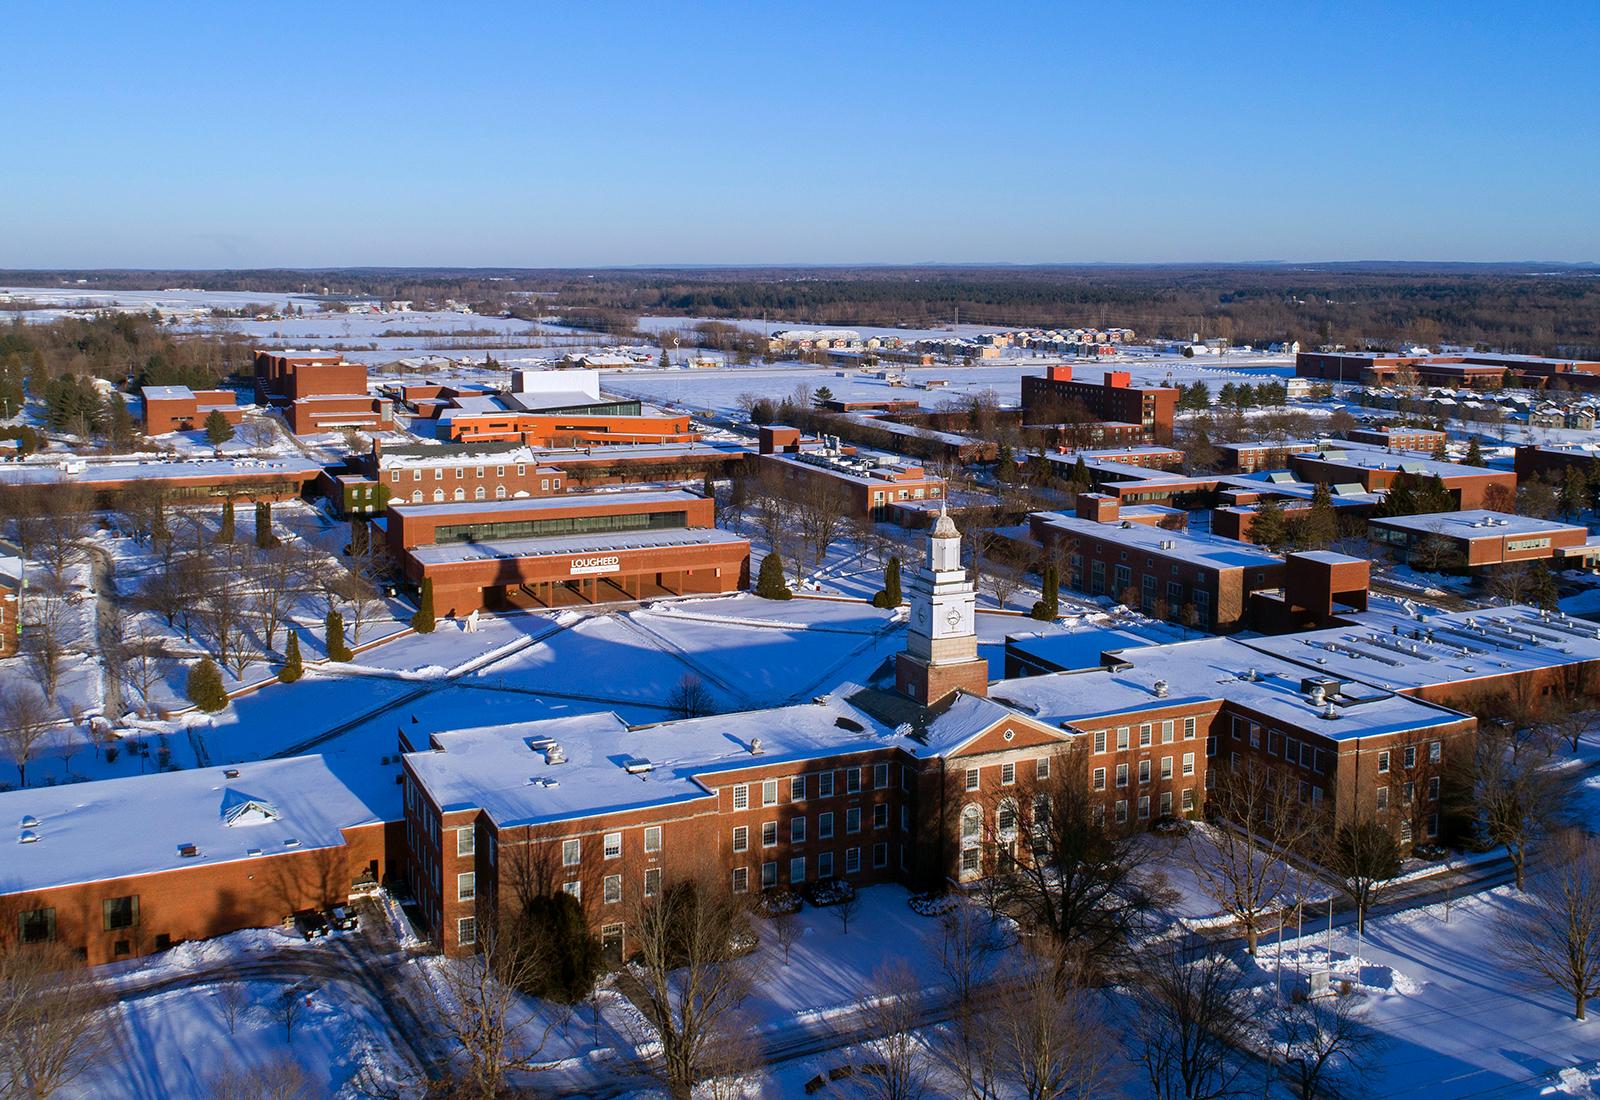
(1005, 463)
(1542, 591)
(225, 530)
(119, 422)
(1474, 453)
(360, 537)
(292, 669)
(770, 583)
(556, 922)
(1080, 476)
(1432, 496)
(1400, 499)
(821, 396)
(1047, 608)
(1320, 526)
(1228, 394)
(1244, 396)
(890, 595)
(13, 372)
(1574, 492)
(264, 536)
(337, 649)
(218, 430)
(666, 360)
(204, 686)
(1440, 452)
(423, 621)
(1270, 528)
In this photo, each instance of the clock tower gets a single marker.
(941, 653)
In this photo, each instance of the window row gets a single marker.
(1147, 734)
(610, 846)
(798, 871)
(798, 787)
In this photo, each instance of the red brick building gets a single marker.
(180, 409)
(182, 480)
(319, 393)
(1396, 438)
(1375, 471)
(870, 482)
(1115, 398)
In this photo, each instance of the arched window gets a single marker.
(1005, 817)
(458, 495)
(438, 496)
(416, 497)
(971, 825)
(499, 492)
(477, 494)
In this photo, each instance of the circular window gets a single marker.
(1009, 734)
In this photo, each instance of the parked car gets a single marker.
(343, 919)
(309, 923)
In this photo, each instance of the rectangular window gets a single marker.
(741, 838)
(741, 879)
(613, 889)
(1122, 738)
(652, 838)
(1008, 774)
(825, 785)
(1166, 767)
(120, 912)
(1122, 775)
(1188, 763)
(825, 865)
(880, 776)
(972, 779)
(825, 826)
(852, 860)
(1411, 756)
(1122, 811)
(1099, 740)
(905, 818)
(1433, 789)
(769, 875)
(852, 820)
(1144, 771)
(652, 881)
(1099, 779)
(1383, 762)
(1166, 732)
(466, 839)
(1166, 802)
(466, 886)
(1188, 729)
(797, 830)
(1041, 768)
(880, 816)
(797, 789)
(880, 855)
(1383, 798)
(769, 792)
(1188, 799)
(797, 869)
(852, 781)
(36, 926)
(466, 931)
(741, 797)
(571, 853)
(1144, 735)
(613, 848)
(1435, 751)
(1144, 806)
(769, 834)
(575, 888)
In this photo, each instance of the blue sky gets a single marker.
(151, 135)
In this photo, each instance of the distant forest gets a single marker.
(1540, 309)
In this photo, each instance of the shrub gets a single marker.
(770, 583)
(423, 622)
(204, 686)
(554, 925)
(337, 650)
(292, 669)
(890, 596)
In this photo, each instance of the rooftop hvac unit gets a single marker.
(1160, 687)
(554, 754)
(637, 765)
(30, 822)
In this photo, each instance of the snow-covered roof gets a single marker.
(83, 472)
(505, 770)
(166, 393)
(1478, 523)
(541, 400)
(118, 828)
(596, 543)
(1203, 550)
(535, 504)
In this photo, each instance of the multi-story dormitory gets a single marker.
(868, 784)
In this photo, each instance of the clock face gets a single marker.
(922, 614)
(953, 617)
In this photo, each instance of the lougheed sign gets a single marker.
(590, 566)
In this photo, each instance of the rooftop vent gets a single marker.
(1160, 689)
(1250, 675)
(637, 765)
(188, 851)
(30, 822)
(28, 837)
(1330, 712)
(755, 746)
(554, 754)
(230, 773)
(292, 842)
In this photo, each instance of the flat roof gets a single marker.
(166, 393)
(891, 465)
(1214, 669)
(1477, 523)
(504, 770)
(1077, 648)
(1206, 550)
(94, 473)
(1399, 652)
(118, 828)
(535, 504)
(1365, 459)
(563, 545)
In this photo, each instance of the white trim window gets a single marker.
(613, 846)
(613, 889)
(571, 852)
(466, 886)
(466, 931)
(652, 838)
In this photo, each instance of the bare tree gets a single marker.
(231, 1000)
(1554, 936)
(1191, 1010)
(49, 1027)
(223, 614)
(691, 984)
(24, 721)
(291, 1005)
(143, 658)
(845, 909)
(362, 599)
(1570, 715)
(1518, 795)
(820, 509)
(786, 929)
(276, 582)
(62, 516)
(1242, 863)
(690, 698)
(278, 1078)
(1364, 856)
(971, 940)
(1050, 1033)
(890, 1015)
(1001, 565)
(45, 641)
(1325, 1048)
